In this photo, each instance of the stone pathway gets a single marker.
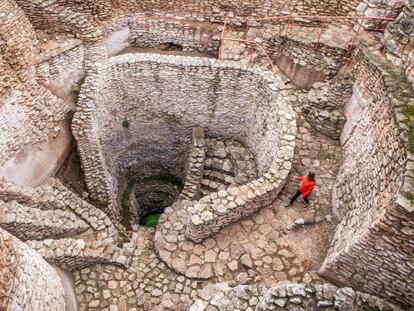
(262, 244)
(282, 297)
(148, 284)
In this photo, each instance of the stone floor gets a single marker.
(148, 284)
(281, 297)
(269, 246)
(262, 244)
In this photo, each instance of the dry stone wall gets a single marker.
(29, 223)
(148, 134)
(178, 93)
(32, 119)
(52, 220)
(299, 56)
(9, 261)
(324, 60)
(27, 279)
(19, 44)
(152, 31)
(372, 249)
(325, 104)
(52, 14)
(374, 8)
(195, 166)
(399, 40)
(217, 210)
(303, 56)
(72, 254)
(288, 296)
(54, 196)
(215, 11)
(155, 101)
(98, 9)
(30, 113)
(60, 69)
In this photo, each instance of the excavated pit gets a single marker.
(202, 150)
(150, 197)
(137, 113)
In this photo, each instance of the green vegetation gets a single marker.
(408, 196)
(151, 220)
(400, 88)
(102, 205)
(409, 114)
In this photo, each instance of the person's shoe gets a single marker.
(287, 205)
(306, 205)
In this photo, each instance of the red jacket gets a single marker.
(306, 186)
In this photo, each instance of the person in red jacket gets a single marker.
(307, 183)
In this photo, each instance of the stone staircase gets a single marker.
(62, 227)
(227, 163)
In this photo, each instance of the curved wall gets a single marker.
(163, 98)
(216, 11)
(141, 30)
(30, 116)
(27, 280)
(372, 249)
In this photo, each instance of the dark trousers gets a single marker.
(296, 196)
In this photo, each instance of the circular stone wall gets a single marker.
(152, 197)
(136, 113)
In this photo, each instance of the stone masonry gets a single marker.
(273, 122)
(27, 279)
(195, 170)
(288, 296)
(373, 197)
(325, 105)
(198, 111)
(88, 101)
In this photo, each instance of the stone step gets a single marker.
(218, 154)
(30, 223)
(219, 165)
(218, 176)
(212, 185)
(227, 163)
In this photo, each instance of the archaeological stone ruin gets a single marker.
(148, 150)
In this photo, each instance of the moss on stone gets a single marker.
(151, 220)
(399, 87)
(409, 114)
(408, 196)
(102, 205)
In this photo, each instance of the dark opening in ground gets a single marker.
(144, 201)
(170, 46)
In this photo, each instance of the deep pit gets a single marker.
(223, 99)
(148, 150)
(151, 196)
